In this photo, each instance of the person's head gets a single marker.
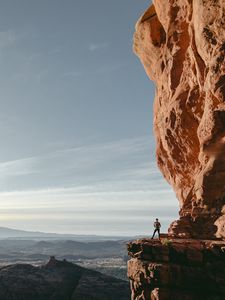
(157, 219)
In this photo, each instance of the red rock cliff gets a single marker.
(181, 44)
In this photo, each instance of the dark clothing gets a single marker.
(157, 226)
(156, 230)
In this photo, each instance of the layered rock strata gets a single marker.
(177, 269)
(181, 44)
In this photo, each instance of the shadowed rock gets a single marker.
(59, 280)
(177, 269)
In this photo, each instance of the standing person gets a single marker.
(157, 226)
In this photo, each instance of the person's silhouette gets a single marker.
(157, 227)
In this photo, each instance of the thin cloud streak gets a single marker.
(17, 167)
(87, 160)
(97, 46)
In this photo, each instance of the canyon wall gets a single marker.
(181, 44)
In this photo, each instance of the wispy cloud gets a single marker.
(17, 168)
(95, 186)
(98, 46)
(126, 160)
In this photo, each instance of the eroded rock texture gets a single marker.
(177, 269)
(181, 44)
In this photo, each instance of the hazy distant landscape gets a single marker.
(106, 255)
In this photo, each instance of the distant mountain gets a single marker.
(75, 249)
(9, 233)
(15, 233)
(59, 280)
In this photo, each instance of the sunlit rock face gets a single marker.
(181, 44)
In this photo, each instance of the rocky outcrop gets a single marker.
(177, 269)
(181, 44)
(59, 280)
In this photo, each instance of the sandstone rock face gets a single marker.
(177, 269)
(181, 44)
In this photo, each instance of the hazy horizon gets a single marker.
(78, 152)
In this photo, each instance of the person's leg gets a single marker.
(158, 233)
(153, 233)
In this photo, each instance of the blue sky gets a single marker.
(77, 151)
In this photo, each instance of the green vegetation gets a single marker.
(166, 242)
